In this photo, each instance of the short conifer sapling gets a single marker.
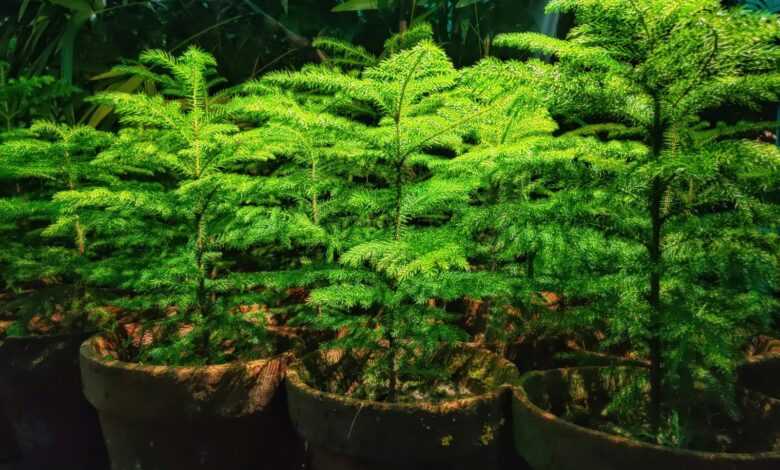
(46, 251)
(695, 199)
(183, 167)
(403, 250)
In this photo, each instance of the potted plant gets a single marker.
(683, 220)
(311, 155)
(395, 387)
(43, 267)
(214, 370)
(527, 183)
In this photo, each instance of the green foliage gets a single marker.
(24, 99)
(46, 252)
(181, 165)
(528, 189)
(398, 251)
(386, 188)
(686, 224)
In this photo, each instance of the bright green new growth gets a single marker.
(182, 164)
(693, 233)
(398, 250)
(351, 56)
(44, 251)
(528, 188)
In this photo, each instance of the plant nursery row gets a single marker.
(562, 257)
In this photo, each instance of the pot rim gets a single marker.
(521, 396)
(55, 336)
(87, 352)
(294, 379)
(759, 358)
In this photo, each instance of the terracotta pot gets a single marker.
(9, 450)
(40, 392)
(349, 434)
(762, 373)
(548, 442)
(760, 377)
(229, 416)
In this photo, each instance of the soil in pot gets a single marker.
(458, 423)
(41, 396)
(213, 417)
(562, 422)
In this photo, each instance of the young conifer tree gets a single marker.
(402, 248)
(522, 178)
(316, 151)
(183, 165)
(313, 157)
(694, 263)
(46, 252)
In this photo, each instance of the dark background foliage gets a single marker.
(84, 38)
(80, 40)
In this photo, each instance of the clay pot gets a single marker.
(9, 450)
(349, 434)
(40, 393)
(228, 416)
(759, 375)
(548, 442)
(762, 373)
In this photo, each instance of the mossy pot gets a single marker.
(548, 442)
(348, 434)
(226, 416)
(41, 395)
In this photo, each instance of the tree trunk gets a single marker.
(655, 249)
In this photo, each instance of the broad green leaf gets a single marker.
(357, 5)
(128, 86)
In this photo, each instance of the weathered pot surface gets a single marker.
(200, 417)
(41, 396)
(760, 377)
(349, 434)
(9, 450)
(549, 442)
(762, 373)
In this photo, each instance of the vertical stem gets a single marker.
(392, 360)
(398, 197)
(200, 249)
(392, 347)
(81, 242)
(655, 248)
(402, 23)
(201, 296)
(399, 163)
(315, 212)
